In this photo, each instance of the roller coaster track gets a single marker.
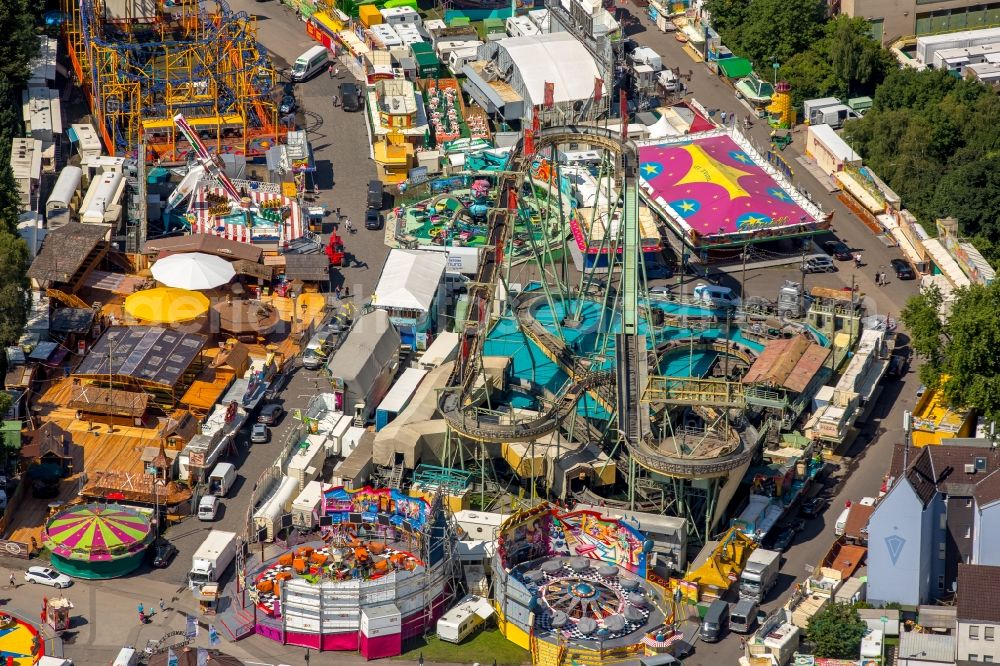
(470, 421)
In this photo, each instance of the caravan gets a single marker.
(470, 614)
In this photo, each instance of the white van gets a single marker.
(841, 524)
(716, 296)
(208, 506)
(310, 63)
(455, 283)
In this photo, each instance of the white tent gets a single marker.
(409, 280)
(193, 270)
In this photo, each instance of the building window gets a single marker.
(877, 28)
(988, 633)
(988, 658)
(940, 582)
(980, 464)
(941, 550)
(973, 657)
(974, 632)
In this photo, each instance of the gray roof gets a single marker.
(926, 647)
(64, 251)
(310, 267)
(370, 343)
(71, 320)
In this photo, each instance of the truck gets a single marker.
(759, 574)
(306, 507)
(212, 558)
(221, 479)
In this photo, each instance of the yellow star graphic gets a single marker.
(649, 168)
(687, 206)
(707, 169)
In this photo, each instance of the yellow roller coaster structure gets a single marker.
(140, 62)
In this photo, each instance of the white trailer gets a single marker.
(306, 507)
(335, 440)
(307, 460)
(268, 518)
(470, 614)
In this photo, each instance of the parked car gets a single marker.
(288, 105)
(373, 220)
(838, 250)
(259, 434)
(819, 264)
(350, 96)
(783, 541)
(812, 507)
(270, 414)
(659, 291)
(47, 576)
(902, 269)
(277, 385)
(898, 365)
(163, 553)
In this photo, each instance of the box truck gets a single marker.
(212, 558)
(759, 574)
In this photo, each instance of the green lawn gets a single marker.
(483, 647)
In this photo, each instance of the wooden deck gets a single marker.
(93, 451)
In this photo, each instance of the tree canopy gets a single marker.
(836, 632)
(14, 295)
(935, 140)
(959, 349)
(768, 31)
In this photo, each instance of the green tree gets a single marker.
(922, 316)
(971, 194)
(10, 197)
(836, 632)
(20, 41)
(961, 350)
(859, 61)
(15, 299)
(767, 31)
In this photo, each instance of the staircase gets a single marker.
(396, 476)
(69, 300)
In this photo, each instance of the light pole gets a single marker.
(775, 66)
(881, 658)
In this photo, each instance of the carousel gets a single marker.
(377, 577)
(96, 541)
(21, 643)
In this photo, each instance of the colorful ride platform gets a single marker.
(97, 541)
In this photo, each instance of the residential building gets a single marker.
(892, 19)
(941, 508)
(978, 628)
(920, 649)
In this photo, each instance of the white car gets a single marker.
(47, 576)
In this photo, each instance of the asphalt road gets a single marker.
(341, 149)
(867, 460)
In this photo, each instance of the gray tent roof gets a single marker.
(370, 343)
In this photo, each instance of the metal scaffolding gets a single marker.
(141, 62)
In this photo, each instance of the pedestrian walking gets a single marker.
(878, 278)
(347, 291)
(162, 604)
(336, 292)
(881, 278)
(350, 227)
(330, 71)
(13, 581)
(857, 260)
(339, 216)
(141, 608)
(723, 114)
